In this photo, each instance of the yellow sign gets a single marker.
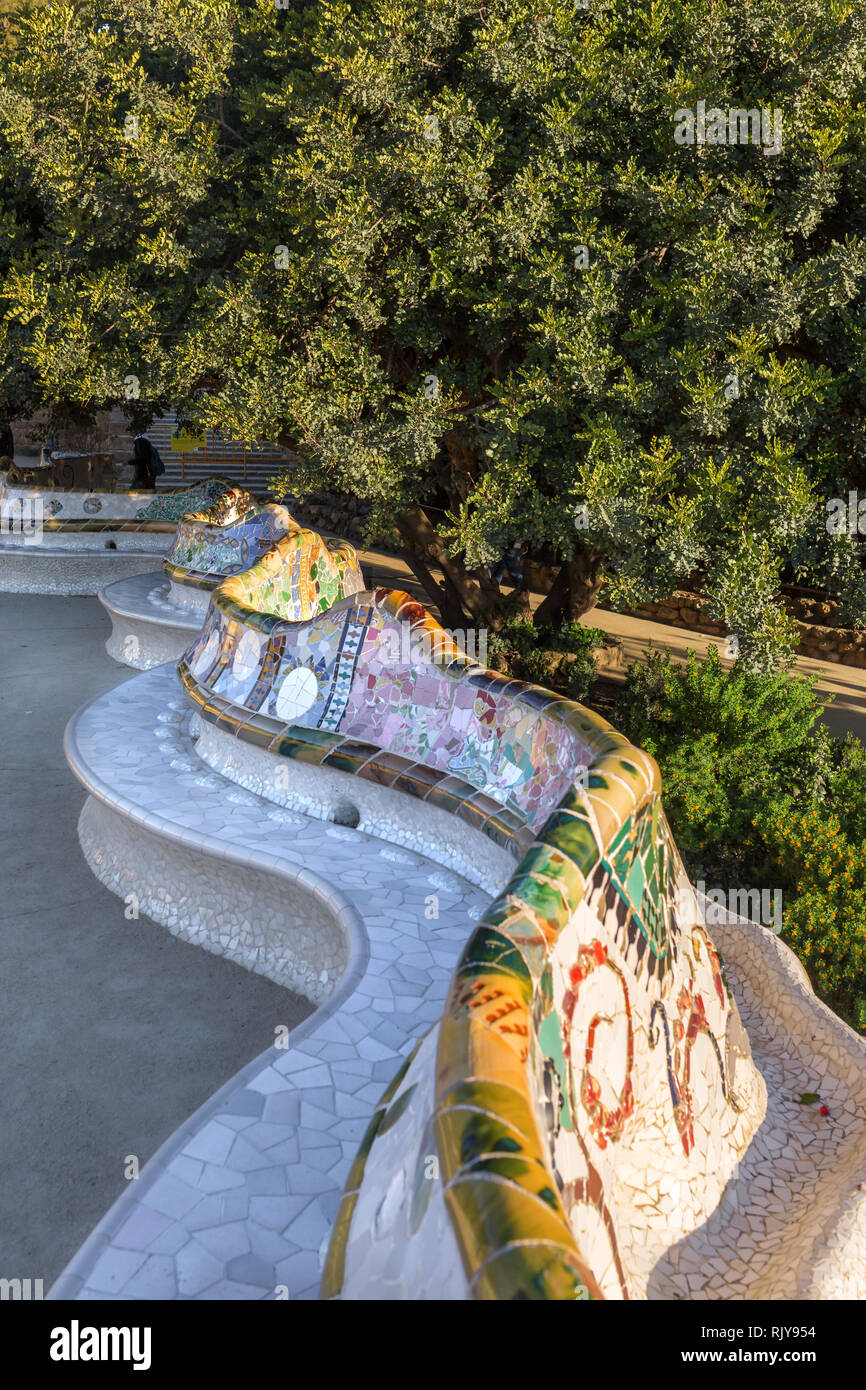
(183, 443)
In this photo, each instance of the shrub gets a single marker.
(555, 657)
(825, 923)
(752, 714)
(729, 744)
(759, 794)
(846, 787)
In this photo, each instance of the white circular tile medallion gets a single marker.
(297, 693)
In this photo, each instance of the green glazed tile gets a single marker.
(488, 1215)
(394, 1112)
(487, 947)
(335, 1260)
(528, 1172)
(540, 1272)
(576, 839)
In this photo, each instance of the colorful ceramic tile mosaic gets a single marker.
(299, 575)
(589, 1051)
(172, 506)
(459, 736)
(606, 1021)
(588, 1010)
(225, 538)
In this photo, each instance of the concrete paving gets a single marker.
(111, 1031)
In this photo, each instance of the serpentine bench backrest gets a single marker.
(299, 575)
(375, 686)
(225, 538)
(588, 1015)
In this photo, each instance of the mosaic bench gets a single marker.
(153, 620)
(222, 540)
(70, 542)
(592, 1099)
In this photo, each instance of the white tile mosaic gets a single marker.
(148, 627)
(306, 1119)
(68, 569)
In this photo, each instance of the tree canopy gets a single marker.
(458, 258)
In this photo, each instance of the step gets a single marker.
(256, 476)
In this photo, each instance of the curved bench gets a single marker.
(225, 538)
(334, 693)
(586, 1118)
(240, 1201)
(598, 892)
(70, 542)
(153, 620)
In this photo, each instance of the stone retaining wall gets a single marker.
(822, 635)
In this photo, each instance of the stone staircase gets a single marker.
(254, 474)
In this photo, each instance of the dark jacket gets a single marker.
(141, 460)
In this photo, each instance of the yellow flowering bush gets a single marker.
(825, 921)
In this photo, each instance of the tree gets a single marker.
(462, 259)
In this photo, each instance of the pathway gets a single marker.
(111, 1031)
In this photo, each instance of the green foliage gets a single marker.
(846, 788)
(558, 657)
(727, 744)
(430, 337)
(825, 922)
(766, 719)
(758, 794)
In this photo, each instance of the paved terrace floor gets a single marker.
(111, 1031)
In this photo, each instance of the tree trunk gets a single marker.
(575, 590)
(464, 596)
(520, 598)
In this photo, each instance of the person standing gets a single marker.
(144, 479)
(512, 562)
(7, 441)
